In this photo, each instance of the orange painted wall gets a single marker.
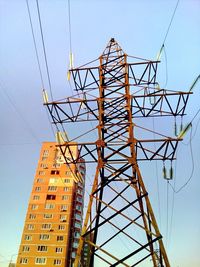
(52, 178)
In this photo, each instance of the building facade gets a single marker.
(54, 215)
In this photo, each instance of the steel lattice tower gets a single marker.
(119, 212)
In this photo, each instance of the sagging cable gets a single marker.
(194, 83)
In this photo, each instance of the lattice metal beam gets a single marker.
(114, 94)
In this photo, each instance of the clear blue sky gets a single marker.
(139, 27)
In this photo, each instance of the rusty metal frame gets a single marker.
(86, 109)
(113, 94)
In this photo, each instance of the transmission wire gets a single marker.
(167, 225)
(35, 46)
(164, 40)
(19, 113)
(38, 61)
(44, 49)
(69, 23)
(170, 24)
(173, 203)
(192, 171)
(157, 179)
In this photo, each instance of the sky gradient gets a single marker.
(140, 28)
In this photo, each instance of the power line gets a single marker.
(192, 171)
(170, 24)
(70, 45)
(38, 60)
(191, 151)
(28, 127)
(167, 225)
(163, 43)
(35, 46)
(157, 179)
(69, 24)
(173, 203)
(44, 50)
(195, 115)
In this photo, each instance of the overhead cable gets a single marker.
(35, 46)
(170, 24)
(29, 129)
(192, 171)
(157, 178)
(38, 60)
(44, 49)
(69, 23)
(167, 32)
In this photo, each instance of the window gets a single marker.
(78, 217)
(80, 199)
(68, 173)
(41, 172)
(61, 227)
(44, 237)
(27, 237)
(67, 180)
(46, 226)
(57, 262)
(73, 255)
(41, 260)
(34, 207)
(65, 197)
(50, 197)
(77, 225)
(49, 206)
(42, 248)
(40, 180)
(36, 197)
(59, 250)
(76, 234)
(60, 238)
(63, 207)
(56, 165)
(23, 260)
(75, 244)
(45, 152)
(63, 218)
(44, 158)
(43, 165)
(78, 207)
(80, 185)
(55, 172)
(65, 189)
(26, 248)
(52, 188)
(79, 191)
(48, 216)
(32, 216)
(53, 180)
(38, 188)
(30, 226)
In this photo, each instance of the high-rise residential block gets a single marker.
(54, 216)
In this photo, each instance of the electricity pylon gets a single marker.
(120, 228)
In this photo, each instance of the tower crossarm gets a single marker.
(116, 151)
(139, 73)
(144, 103)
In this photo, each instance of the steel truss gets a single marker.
(120, 227)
